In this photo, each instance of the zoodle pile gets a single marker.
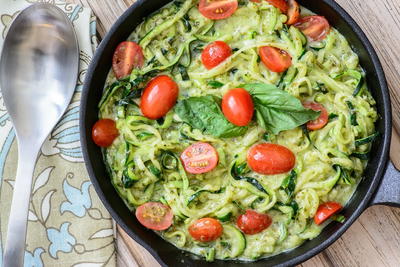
(236, 129)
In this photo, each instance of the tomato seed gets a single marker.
(219, 10)
(198, 164)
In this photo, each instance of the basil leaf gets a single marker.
(277, 110)
(204, 113)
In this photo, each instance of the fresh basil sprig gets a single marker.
(277, 110)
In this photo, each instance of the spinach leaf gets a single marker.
(266, 137)
(306, 132)
(186, 22)
(112, 89)
(289, 183)
(353, 113)
(204, 113)
(127, 181)
(183, 72)
(131, 89)
(277, 110)
(241, 169)
(295, 207)
(332, 116)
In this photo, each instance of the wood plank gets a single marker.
(106, 11)
(374, 239)
(361, 246)
(395, 147)
(135, 251)
(380, 21)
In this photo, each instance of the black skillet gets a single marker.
(381, 184)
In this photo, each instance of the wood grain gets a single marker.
(374, 239)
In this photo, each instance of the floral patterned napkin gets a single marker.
(67, 224)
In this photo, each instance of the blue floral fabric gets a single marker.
(67, 224)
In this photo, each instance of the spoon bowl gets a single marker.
(38, 73)
(39, 66)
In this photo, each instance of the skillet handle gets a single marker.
(388, 192)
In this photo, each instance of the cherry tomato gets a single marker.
(217, 9)
(159, 97)
(325, 211)
(238, 107)
(281, 4)
(215, 53)
(104, 132)
(127, 56)
(199, 158)
(322, 119)
(275, 59)
(253, 222)
(293, 12)
(270, 159)
(316, 28)
(206, 229)
(154, 215)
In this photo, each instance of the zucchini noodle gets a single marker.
(144, 163)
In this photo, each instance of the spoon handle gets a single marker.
(17, 223)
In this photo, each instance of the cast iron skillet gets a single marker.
(381, 184)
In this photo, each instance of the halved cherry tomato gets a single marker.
(281, 4)
(270, 159)
(315, 28)
(104, 132)
(217, 9)
(322, 119)
(154, 215)
(252, 222)
(275, 59)
(159, 97)
(199, 158)
(127, 56)
(325, 211)
(238, 107)
(293, 12)
(206, 229)
(215, 53)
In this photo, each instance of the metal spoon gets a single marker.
(38, 73)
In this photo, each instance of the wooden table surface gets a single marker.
(374, 239)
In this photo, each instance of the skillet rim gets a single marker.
(376, 178)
